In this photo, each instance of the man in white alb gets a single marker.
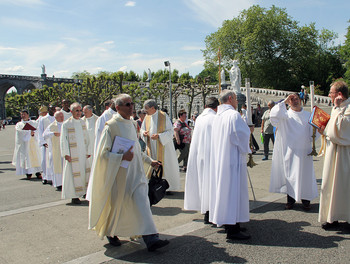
(74, 145)
(43, 123)
(292, 170)
(119, 204)
(157, 132)
(101, 121)
(26, 156)
(90, 119)
(229, 200)
(198, 169)
(52, 135)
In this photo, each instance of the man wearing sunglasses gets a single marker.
(119, 204)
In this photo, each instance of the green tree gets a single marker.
(273, 50)
(345, 55)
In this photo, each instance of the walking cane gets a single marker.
(251, 185)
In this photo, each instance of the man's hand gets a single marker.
(68, 158)
(146, 133)
(155, 164)
(155, 136)
(321, 130)
(129, 155)
(288, 100)
(57, 134)
(45, 145)
(338, 100)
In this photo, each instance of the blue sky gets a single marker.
(110, 35)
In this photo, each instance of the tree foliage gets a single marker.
(273, 50)
(345, 55)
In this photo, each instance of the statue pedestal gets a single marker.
(241, 100)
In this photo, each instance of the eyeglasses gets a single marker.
(129, 104)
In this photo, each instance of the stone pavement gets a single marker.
(37, 227)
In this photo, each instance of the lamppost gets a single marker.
(167, 63)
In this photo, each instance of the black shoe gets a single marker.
(59, 188)
(114, 241)
(327, 226)
(265, 158)
(29, 176)
(242, 229)
(44, 182)
(289, 206)
(206, 218)
(306, 207)
(158, 244)
(238, 236)
(38, 175)
(76, 201)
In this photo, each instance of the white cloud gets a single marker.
(130, 3)
(123, 68)
(110, 42)
(7, 49)
(21, 23)
(29, 3)
(15, 69)
(191, 48)
(198, 63)
(215, 12)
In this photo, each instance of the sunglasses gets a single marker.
(129, 104)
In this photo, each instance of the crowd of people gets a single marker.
(81, 157)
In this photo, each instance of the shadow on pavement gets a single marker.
(5, 162)
(175, 195)
(83, 203)
(281, 207)
(279, 233)
(169, 211)
(184, 249)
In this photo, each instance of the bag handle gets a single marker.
(158, 173)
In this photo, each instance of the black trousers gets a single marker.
(267, 138)
(255, 144)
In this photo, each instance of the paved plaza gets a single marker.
(36, 226)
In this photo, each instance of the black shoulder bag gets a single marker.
(157, 186)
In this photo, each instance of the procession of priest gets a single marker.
(77, 156)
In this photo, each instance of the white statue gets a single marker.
(43, 69)
(149, 75)
(235, 77)
(222, 74)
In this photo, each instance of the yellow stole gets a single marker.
(56, 151)
(160, 129)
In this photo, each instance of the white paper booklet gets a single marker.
(122, 145)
